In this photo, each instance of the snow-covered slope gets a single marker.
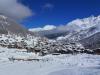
(41, 45)
(7, 25)
(85, 23)
(12, 40)
(92, 42)
(82, 28)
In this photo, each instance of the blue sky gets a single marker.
(57, 12)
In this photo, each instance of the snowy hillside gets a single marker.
(8, 25)
(82, 28)
(85, 23)
(41, 45)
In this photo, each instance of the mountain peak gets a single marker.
(84, 23)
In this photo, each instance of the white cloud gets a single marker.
(46, 27)
(35, 29)
(14, 9)
(49, 27)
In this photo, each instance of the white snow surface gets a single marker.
(80, 64)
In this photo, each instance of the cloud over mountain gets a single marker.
(46, 27)
(14, 9)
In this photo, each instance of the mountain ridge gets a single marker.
(10, 26)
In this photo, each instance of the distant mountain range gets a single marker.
(84, 30)
(75, 27)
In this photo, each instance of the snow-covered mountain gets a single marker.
(86, 31)
(85, 23)
(8, 25)
(75, 30)
(82, 28)
(92, 42)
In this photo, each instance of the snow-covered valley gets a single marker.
(65, 64)
(24, 53)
